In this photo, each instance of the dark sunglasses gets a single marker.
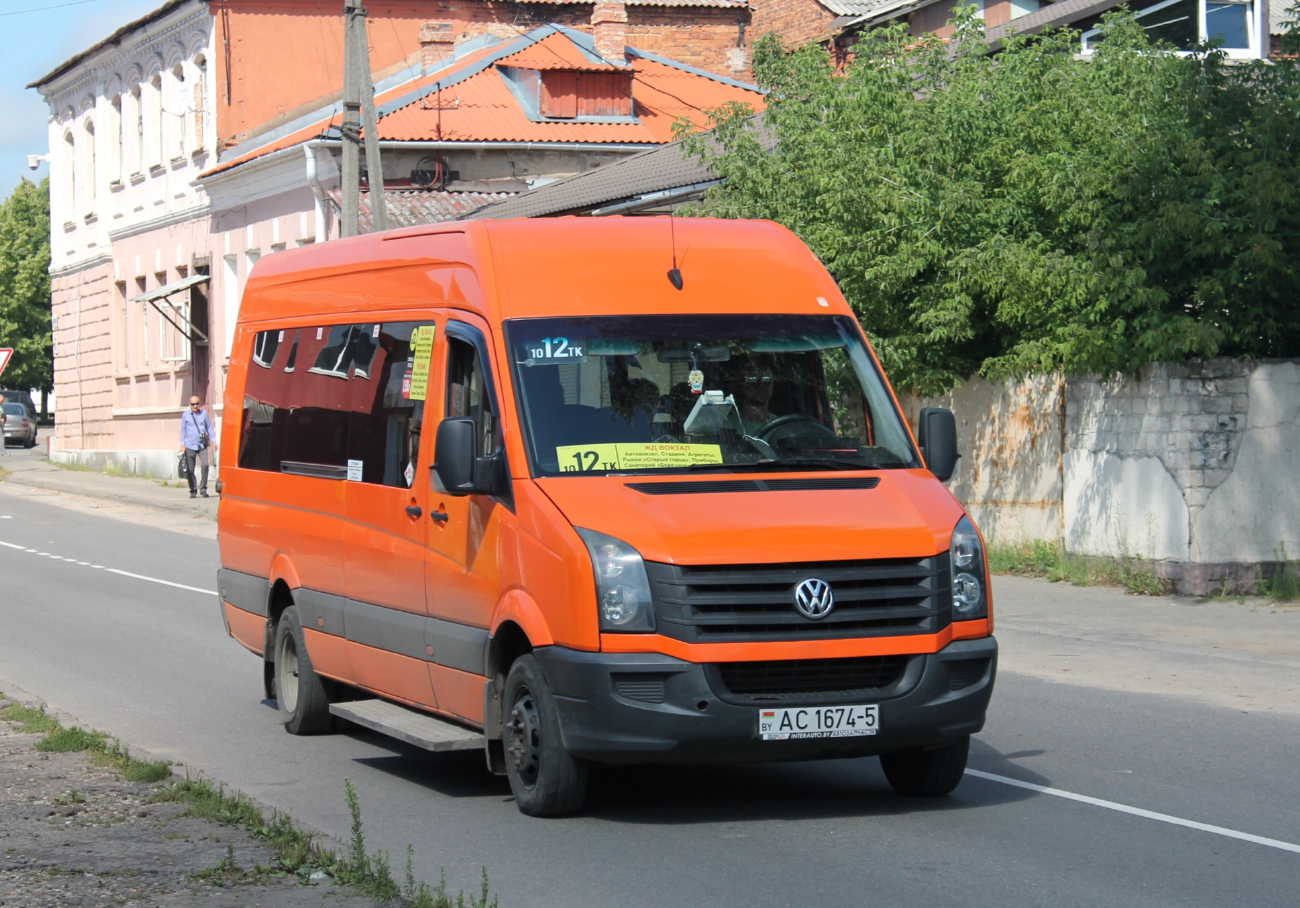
(765, 378)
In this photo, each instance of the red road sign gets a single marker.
(5, 354)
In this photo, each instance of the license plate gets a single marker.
(818, 722)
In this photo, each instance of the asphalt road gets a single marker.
(150, 662)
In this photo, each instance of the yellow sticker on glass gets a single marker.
(421, 355)
(650, 456)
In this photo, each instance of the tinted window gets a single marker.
(355, 413)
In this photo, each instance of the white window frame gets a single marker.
(182, 309)
(1252, 25)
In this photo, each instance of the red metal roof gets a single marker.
(470, 100)
(555, 51)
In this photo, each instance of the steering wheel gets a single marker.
(765, 433)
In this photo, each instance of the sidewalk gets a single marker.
(28, 468)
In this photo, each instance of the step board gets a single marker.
(420, 729)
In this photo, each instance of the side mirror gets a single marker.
(453, 455)
(937, 436)
(458, 467)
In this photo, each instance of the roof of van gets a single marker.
(530, 268)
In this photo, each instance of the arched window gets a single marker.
(114, 140)
(153, 122)
(133, 131)
(88, 179)
(200, 102)
(176, 113)
(70, 181)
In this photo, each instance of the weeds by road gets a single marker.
(138, 835)
(1049, 560)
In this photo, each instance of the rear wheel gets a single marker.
(546, 779)
(926, 773)
(300, 692)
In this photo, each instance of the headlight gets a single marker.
(969, 582)
(622, 587)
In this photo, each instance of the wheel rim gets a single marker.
(287, 674)
(524, 747)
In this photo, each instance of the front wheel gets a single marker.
(927, 773)
(300, 692)
(546, 779)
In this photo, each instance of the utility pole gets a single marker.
(359, 106)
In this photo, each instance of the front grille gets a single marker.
(786, 677)
(739, 603)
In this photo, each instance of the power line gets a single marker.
(41, 9)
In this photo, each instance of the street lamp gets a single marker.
(34, 160)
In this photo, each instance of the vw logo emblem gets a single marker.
(814, 598)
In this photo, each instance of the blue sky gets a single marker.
(35, 37)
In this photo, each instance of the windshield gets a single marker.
(675, 393)
(15, 409)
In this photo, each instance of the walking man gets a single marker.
(196, 438)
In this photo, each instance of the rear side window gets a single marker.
(338, 401)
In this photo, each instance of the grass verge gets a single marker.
(103, 749)
(1040, 558)
(298, 854)
(1284, 584)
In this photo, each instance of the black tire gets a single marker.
(926, 773)
(301, 693)
(546, 779)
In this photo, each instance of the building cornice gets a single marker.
(99, 258)
(162, 220)
(100, 64)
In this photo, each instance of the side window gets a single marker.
(356, 413)
(467, 396)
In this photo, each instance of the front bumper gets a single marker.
(699, 721)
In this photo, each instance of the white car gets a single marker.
(19, 425)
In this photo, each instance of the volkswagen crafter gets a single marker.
(591, 490)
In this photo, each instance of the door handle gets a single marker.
(440, 516)
(413, 510)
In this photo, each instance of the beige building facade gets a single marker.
(130, 129)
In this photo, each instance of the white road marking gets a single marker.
(1138, 812)
(180, 586)
(101, 567)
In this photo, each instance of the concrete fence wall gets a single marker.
(1194, 466)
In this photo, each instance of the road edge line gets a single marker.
(1138, 811)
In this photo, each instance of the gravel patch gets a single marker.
(73, 833)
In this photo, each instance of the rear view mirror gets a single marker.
(453, 455)
(457, 466)
(937, 435)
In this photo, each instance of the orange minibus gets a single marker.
(595, 490)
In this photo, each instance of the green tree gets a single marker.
(1030, 211)
(25, 287)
